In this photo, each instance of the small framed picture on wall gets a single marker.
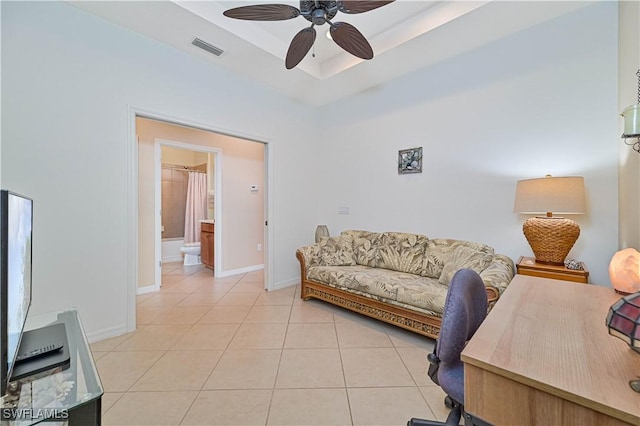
(410, 161)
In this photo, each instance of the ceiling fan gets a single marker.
(317, 12)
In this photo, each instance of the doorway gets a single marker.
(173, 160)
(241, 174)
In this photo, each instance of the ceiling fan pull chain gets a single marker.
(638, 75)
(313, 46)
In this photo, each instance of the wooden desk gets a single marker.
(543, 356)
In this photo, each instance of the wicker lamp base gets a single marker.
(551, 238)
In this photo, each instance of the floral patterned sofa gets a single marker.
(396, 277)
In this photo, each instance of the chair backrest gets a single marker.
(464, 310)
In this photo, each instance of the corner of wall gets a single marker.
(629, 166)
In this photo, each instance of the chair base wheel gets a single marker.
(448, 402)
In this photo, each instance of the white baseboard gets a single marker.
(106, 333)
(172, 259)
(238, 271)
(147, 289)
(288, 283)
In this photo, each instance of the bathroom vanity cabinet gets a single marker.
(206, 243)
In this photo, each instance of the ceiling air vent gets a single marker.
(206, 46)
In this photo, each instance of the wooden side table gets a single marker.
(528, 266)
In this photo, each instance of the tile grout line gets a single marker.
(344, 376)
(275, 380)
(279, 368)
(199, 392)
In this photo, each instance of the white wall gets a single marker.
(541, 101)
(69, 80)
(169, 252)
(629, 63)
(182, 157)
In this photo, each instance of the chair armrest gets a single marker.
(498, 275)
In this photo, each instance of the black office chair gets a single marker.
(464, 310)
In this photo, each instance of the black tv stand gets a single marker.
(70, 392)
(41, 350)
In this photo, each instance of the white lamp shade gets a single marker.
(551, 194)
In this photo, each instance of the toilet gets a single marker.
(191, 254)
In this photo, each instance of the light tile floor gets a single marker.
(224, 351)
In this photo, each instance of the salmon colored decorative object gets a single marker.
(624, 271)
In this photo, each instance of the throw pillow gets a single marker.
(365, 247)
(464, 257)
(402, 252)
(336, 251)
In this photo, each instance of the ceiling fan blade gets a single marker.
(360, 6)
(300, 46)
(263, 12)
(350, 39)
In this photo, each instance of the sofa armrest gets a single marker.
(492, 295)
(308, 256)
(498, 274)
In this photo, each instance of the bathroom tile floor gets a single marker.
(223, 351)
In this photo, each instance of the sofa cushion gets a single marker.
(473, 245)
(402, 252)
(335, 276)
(438, 252)
(378, 281)
(365, 247)
(435, 257)
(423, 292)
(384, 285)
(375, 281)
(464, 257)
(336, 251)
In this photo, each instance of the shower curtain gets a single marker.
(196, 209)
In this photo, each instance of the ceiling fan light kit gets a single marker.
(318, 13)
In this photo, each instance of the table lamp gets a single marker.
(550, 237)
(623, 322)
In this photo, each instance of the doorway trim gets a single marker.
(132, 196)
(217, 254)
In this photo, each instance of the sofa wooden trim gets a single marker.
(418, 322)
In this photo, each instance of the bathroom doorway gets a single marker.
(240, 211)
(175, 161)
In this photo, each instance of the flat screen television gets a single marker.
(16, 223)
